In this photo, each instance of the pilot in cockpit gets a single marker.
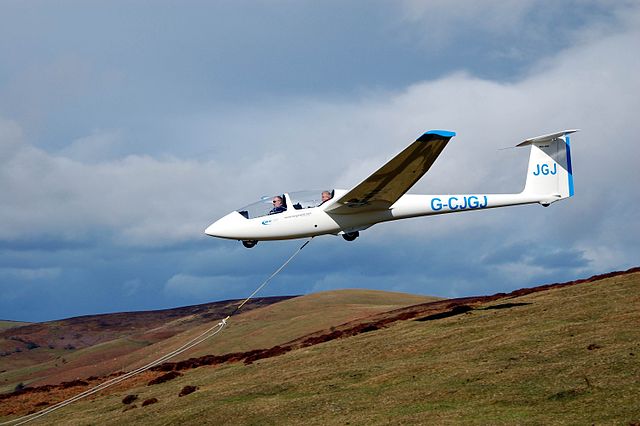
(278, 205)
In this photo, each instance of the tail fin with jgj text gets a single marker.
(549, 174)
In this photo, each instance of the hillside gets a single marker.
(5, 325)
(555, 354)
(49, 352)
(96, 345)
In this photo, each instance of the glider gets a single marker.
(382, 196)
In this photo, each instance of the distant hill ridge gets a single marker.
(87, 330)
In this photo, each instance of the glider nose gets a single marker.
(213, 229)
(224, 227)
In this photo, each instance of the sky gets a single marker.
(128, 127)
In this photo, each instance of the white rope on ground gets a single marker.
(212, 331)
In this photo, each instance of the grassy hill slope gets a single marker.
(290, 319)
(49, 352)
(125, 341)
(565, 355)
(5, 325)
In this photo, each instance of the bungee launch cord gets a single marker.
(210, 332)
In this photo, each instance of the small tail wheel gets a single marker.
(249, 243)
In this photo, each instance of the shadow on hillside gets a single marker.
(457, 310)
(505, 306)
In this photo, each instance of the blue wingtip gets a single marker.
(443, 133)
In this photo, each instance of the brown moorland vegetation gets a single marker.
(56, 351)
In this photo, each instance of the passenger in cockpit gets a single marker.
(326, 196)
(278, 205)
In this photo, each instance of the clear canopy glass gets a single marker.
(293, 200)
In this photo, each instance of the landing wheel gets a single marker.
(350, 236)
(249, 243)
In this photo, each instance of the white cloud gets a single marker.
(309, 143)
(100, 146)
(132, 287)
(204, 287)
(495, 16)
(11, 137)
(29, 274)
(137, 200)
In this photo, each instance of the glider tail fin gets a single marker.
(549, 174)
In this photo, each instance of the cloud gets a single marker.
(115, 194)
(132, 287)
(135, 200)
(11, 136)
(100, 146)
(29, 274)
(494, 16)
(142, 200)
(191, 287)
(521, 254)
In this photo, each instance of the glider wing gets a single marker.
(385, 186)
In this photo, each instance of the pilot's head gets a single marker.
(277, 201)
(326, 196)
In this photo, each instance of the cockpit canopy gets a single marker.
(291, 200)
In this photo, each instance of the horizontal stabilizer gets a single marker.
(547, 138)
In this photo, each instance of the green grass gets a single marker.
(290, 319)
(5, 325)
(528, 364)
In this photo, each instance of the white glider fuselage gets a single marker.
(382, 196)
(316, 221)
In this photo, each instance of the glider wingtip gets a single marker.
(443, 133)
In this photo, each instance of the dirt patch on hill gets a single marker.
(164, 378)
(187, 390)
(149, 401)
